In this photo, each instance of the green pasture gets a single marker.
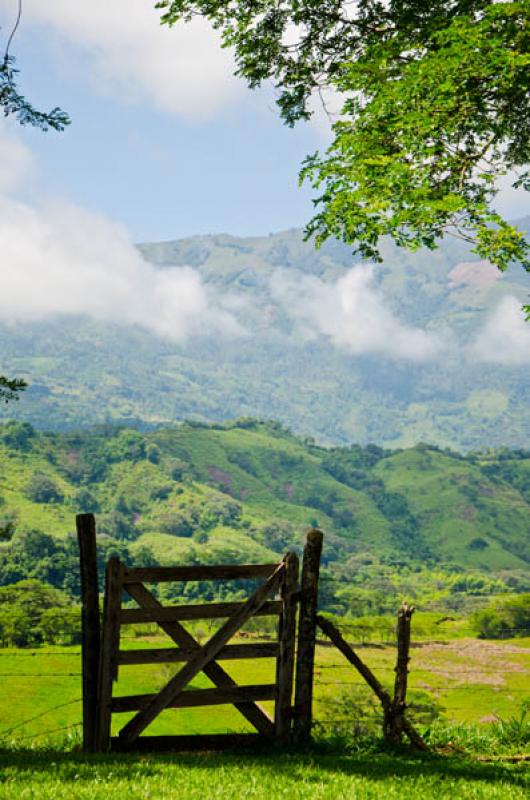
(468, 680)
(52, 775)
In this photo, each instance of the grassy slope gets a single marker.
(456, 504)
(272, 489)
(273, 475)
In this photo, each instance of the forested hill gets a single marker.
(413, 353)
(248, 490)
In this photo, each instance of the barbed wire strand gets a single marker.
(38, 716)
(40, 674)
(49, 732)
(36, 653)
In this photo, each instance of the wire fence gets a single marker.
(46, 712)
(51, 732)
(329, 705)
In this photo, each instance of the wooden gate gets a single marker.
(278, 595)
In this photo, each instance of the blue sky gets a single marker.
(162, 171)
(163, 138)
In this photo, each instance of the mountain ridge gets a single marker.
(84, 371)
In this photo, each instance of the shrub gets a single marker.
(175, 523)
(22, 608)
(42, 489)
(152, 453)
(7, 525)
(511, 618)
(18, 435)
(128, 445)
(85, 502)
(117, 525)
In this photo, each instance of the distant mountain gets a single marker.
(306, 358)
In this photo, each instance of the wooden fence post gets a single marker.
(108, 663)
(386, 701)
(305, 659)
(395, 716)
(285, 662)
(90, 627)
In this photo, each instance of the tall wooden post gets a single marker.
(394, 723)
(110, 644)
(90, 627)
(285, 662)
(305, 660)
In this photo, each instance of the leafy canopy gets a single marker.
(435, 109)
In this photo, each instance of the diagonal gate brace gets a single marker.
(256, 715)
(214, 671)
(204, 657)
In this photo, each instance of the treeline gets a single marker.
(33, 613)
(35, 555)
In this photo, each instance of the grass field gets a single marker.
(49, 775)
(472, 680)
(469, 680)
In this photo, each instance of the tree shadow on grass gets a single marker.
(374, 765)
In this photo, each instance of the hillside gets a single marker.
(419, 520)
(420, 356)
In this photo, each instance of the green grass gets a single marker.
(470, 680)
(55, 775)
(38, 759)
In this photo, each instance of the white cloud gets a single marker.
(505, 337)
(127, 53)
(351, 314)
(58, 258)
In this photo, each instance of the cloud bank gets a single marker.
(351, 314)
(58, 258)
(61, 259)
(505, 337)
(125, 52)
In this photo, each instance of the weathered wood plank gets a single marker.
(212, 741)
(285, 663)
(143, 718)
(129, 616)
(305, 660)
(256, 715)
(90, 627)
(216, 572)
(200, 697)
(173, 654)
(108, 665)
